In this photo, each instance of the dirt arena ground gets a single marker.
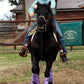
(65, 76)
(63, 73)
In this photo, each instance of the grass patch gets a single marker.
(15, 68)
(76, 61)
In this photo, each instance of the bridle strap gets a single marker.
(43, 18)
(45, 26)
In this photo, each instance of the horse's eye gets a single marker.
(38, 11)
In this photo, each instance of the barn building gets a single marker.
(70, 9)
(67, 11)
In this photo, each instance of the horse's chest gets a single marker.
(44, 43)
(44, 46)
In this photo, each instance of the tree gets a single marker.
(25, 9)
(15, 2)
(56, 3)
(24, 5)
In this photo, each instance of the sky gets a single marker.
(5, 8)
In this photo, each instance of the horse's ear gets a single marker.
(49, 3)
(38, 3)
(48, 6)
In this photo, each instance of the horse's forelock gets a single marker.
(43, 13)
(44, 6)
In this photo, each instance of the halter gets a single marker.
(45, 26)
(43, 18)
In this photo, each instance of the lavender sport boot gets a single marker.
(35, 79)
(50, 77)
(46, 81)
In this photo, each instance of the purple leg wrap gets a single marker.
(35, 79)
(46, 80)
(50, 77)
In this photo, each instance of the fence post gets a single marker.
(14, 33)
(71, 48)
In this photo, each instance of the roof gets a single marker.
(17, 9)
(63, 4)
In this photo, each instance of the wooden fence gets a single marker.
(12, 32)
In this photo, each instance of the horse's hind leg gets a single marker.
(35, 71)
(48, 73)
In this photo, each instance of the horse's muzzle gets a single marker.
(42, 29)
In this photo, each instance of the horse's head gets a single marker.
(43, 12)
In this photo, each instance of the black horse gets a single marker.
(44, 45)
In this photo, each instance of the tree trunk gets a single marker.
(25, 9)
(55, 6)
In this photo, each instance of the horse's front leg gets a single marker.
(35, 71)
(48, 73)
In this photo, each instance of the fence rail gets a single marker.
(12, 31)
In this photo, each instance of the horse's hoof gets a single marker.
(50, 83)
(33, 83)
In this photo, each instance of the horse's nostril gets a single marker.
(41, 23)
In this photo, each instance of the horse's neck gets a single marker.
(50, 27)
(43, 35)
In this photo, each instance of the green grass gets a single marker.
(12, 60)
(76, 61)
(12, 64)
(15, 68)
